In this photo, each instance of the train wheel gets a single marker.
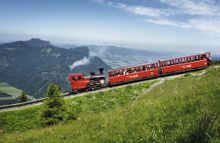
(93, 85)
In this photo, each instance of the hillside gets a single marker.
(184, 109)
(9, 94)
(31, 65)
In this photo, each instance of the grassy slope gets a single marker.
(182, 110)
(10, 90)
(8, 94)
(5, 88)
(28, 118)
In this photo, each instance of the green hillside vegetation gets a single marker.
(5, 88)
(29, 118)
(185, 109)
(10, 94)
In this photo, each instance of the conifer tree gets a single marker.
(23, 97)
(53, 108)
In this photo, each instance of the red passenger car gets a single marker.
(134, 73)
(185, 63)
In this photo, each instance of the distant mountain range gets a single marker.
(119, 57)
(216, 57)
(31, 65)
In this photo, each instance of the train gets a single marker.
(81, 83)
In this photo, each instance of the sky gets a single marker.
(158, 25)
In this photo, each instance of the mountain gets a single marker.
(31, 65)
(112, 55)
(36, 42)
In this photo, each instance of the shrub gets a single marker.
(23, 97)
(53, 108)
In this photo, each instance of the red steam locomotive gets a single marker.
(79, 82)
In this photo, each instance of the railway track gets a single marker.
(68, 95)
(28, 103)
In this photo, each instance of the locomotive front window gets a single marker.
(203, 56)
(113, 74)
(73, 78)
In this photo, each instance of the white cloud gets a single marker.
(203, 15)
(205, 24)
(194, 7)
(140, 10)
(208, 25)
(169, 23)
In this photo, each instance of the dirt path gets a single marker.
(153, 86)
(218, 66)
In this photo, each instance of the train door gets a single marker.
(209, 59)
(159, 67)
(79, 81)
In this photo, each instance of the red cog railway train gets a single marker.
(79, 82)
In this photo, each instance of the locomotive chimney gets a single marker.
(92, 73)
(101, 70)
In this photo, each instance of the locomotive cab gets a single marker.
(78, 82)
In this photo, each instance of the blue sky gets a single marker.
(160, 25)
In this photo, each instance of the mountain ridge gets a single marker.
(31, 65)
